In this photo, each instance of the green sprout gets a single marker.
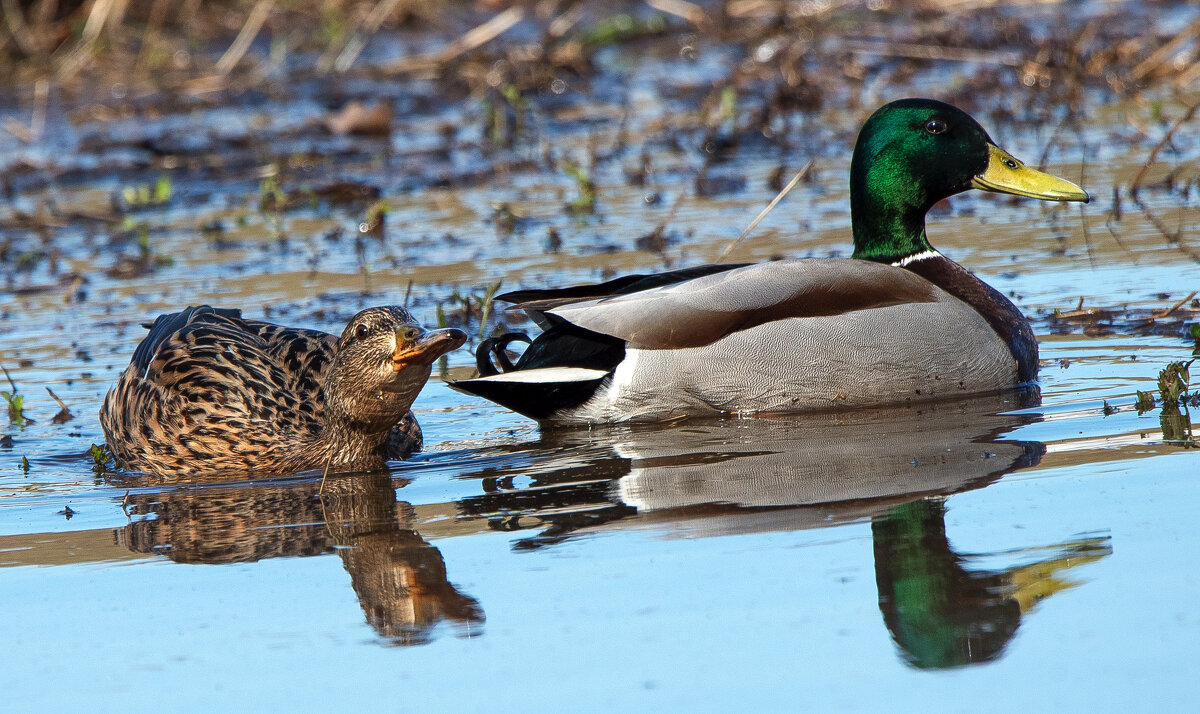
(504, 217)
(143, 195)
(16, 402)
(728, 111)
(271, 200)
(146, 254)
(496, 115)
(585, 198)
(99, 458)
(162, 189)
(620, 28)
(485, 306)
(1173, 383)
(443, 363)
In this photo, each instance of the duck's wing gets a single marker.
(536, 302)
(702, 310)
(202, 346)
(304, 355)
(166, 327)
(204, 384)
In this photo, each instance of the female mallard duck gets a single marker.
(900, 322)
(209, 391)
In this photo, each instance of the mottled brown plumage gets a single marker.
(209, 391)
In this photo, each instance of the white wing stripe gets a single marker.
(545, 375)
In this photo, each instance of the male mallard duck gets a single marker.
(209, 391)
(899, 322)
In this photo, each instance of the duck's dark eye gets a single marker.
(361, 331)
(935, 127)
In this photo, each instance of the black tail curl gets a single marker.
(491, 356)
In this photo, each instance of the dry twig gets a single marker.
(1162, 54)
(1137, 180)
(473, 38)
(1164, 313)
(64, 414)
(691, 12)
(774, 201)
(241, 43)
(358, 41)
(932, 52)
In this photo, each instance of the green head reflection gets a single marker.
(943, 613)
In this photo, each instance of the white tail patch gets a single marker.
(545, 375)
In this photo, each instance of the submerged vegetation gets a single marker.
(1173, 385)
(1173, 397)
(100, 459)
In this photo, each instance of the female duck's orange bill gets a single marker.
(421, 347)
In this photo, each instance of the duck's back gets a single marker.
(882, 355)
(209, 390)
(790, 335)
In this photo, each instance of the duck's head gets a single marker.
(383, 359)
(913, 153)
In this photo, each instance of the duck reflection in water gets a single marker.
(400, 579)
(893, 467)
(761, 474)
(943, 613)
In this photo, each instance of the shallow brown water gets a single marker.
(925, 556)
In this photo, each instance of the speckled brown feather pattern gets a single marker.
(209, 391)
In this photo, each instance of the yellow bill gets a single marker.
(1007, 174)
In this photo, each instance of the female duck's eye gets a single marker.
(935, 127)
(361, 331)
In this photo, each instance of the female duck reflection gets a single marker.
(400, 579)
(892, 466)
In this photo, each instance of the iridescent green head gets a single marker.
(911, 154)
